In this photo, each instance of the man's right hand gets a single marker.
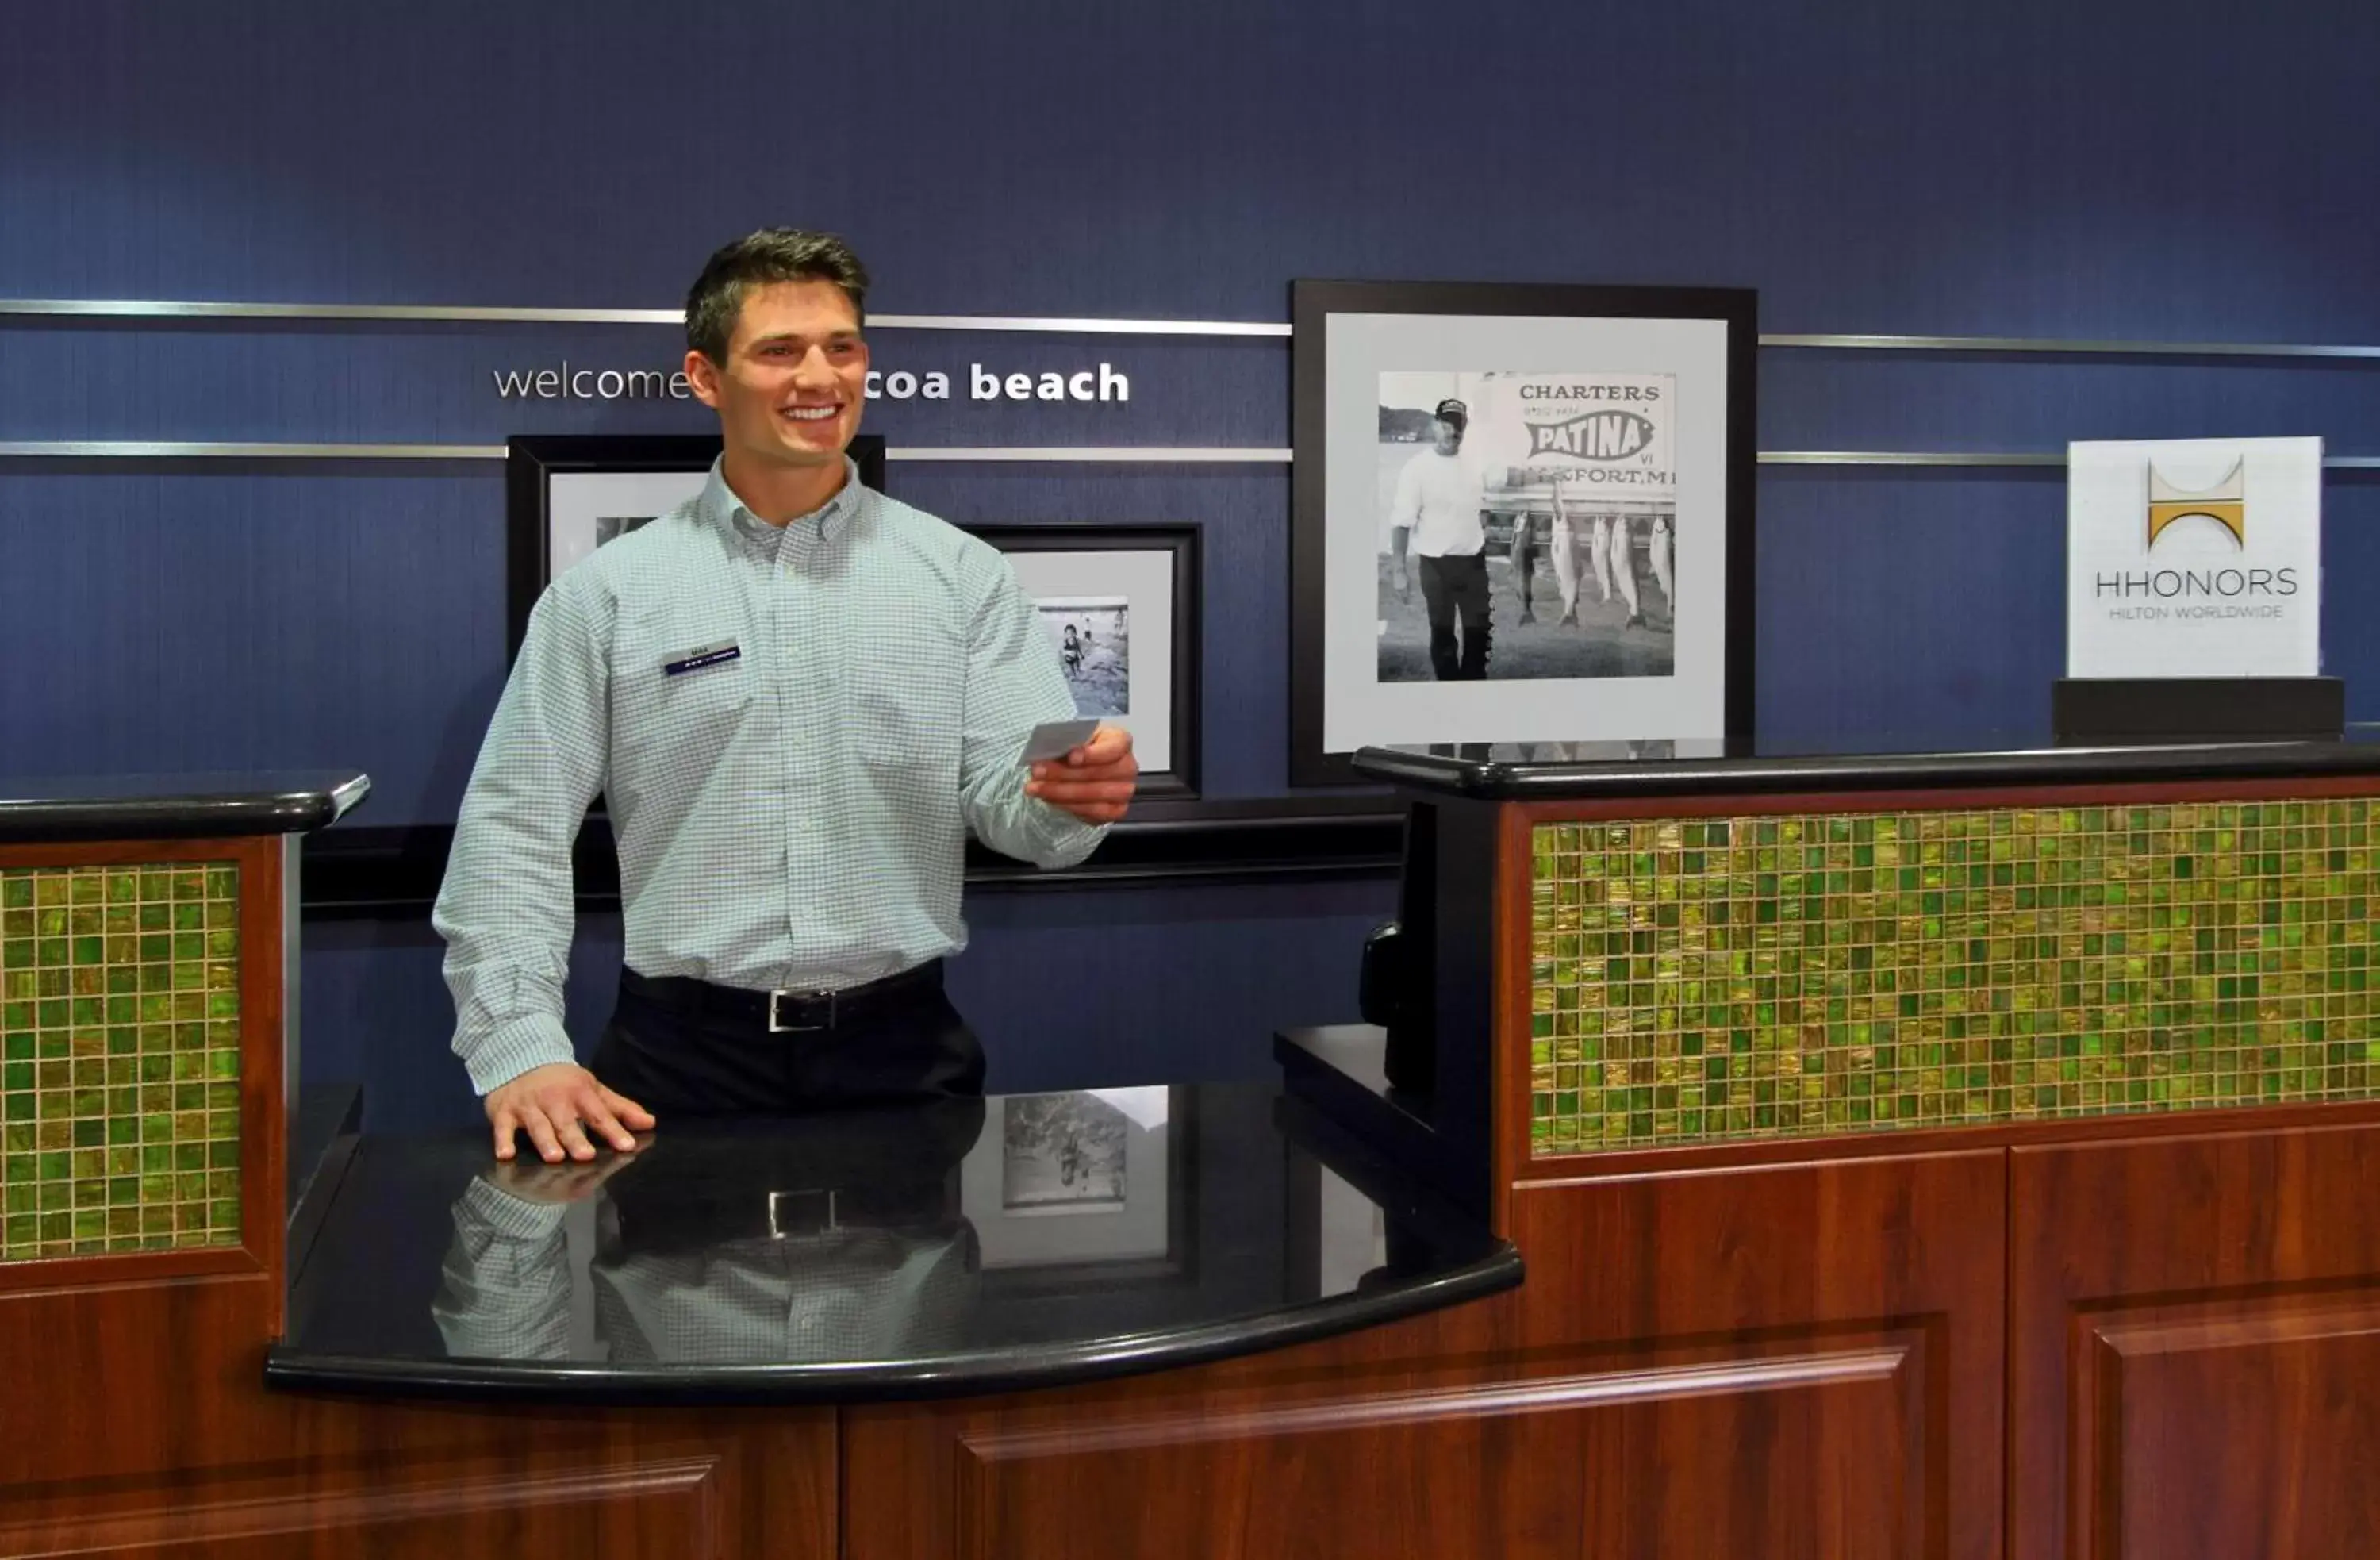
(550, 1104)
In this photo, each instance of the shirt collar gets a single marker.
(719, 503)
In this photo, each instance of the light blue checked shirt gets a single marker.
(792, 816)
(847, 1295)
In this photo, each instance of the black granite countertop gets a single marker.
(1556, 770)
(175, 805)
(969, 1247)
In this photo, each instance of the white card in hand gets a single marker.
(1052, 740)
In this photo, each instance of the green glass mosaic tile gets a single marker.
(119, 1059)
(1726, 979)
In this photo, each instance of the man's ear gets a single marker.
(702, 378)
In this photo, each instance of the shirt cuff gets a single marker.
(532, 1040)
(1065, 838)
(510, 1215)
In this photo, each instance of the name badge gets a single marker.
(696, 660)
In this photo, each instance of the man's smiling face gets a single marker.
(796, 378)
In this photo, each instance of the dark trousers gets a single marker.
(1457, 583)
(678, 1056)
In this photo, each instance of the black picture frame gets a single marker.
(532, 461)
(1177, 780)
(1315, 302)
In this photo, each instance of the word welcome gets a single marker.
(563, 383)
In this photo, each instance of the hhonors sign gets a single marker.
(2195, 558)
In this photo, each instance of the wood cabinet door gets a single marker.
(1405, 1440)
(1787, 1361)
(2195, 1326)
(1791, 1361)
(419, 1483)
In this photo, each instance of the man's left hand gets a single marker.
(1095, 782)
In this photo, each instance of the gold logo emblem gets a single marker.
(2226, 504)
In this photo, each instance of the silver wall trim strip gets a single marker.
(151, 309)
(2019, 344)
(137, 309)
(1904, 457)
(1139, 452)
(1931, 457)
(102, 449)
(215, 449)
(1080, 326)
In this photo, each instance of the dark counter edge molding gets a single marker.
(1492, 780)
(395, 871)
(192, 817)
(959, 1375)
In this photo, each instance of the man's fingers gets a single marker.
(571, 1136)
(1108, 744)
(1100, 783)
(507, 1127)
(603, 1124)
(541, 1133)
(628, 1110)
(1123, 768)
(1066, 793)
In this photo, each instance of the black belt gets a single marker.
(670, 1224)
(784, 1012)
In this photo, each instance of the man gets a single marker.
(790, 811)
(1436, 510)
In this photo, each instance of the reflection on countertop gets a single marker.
(961, 1246)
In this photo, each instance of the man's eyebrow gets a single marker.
(841, 333)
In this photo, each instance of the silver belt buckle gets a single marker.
(777, 1024)
(782, 1206)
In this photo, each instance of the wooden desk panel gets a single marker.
(1786, 1359)
(2195, 1371)
(1419, 1439)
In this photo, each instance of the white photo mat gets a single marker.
(1359, 709)
(1143, 580)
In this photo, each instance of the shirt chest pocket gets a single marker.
(679, 699)
(909, 709)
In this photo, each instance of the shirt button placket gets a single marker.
(796, 753)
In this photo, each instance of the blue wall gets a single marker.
(2125, 170)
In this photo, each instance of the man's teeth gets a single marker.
(811, 414)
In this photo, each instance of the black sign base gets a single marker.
(2135, 712)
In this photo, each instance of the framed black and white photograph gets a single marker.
(1063, 1154)
(1120, 605)
(1096, 1186)
(1523, 514)
(568, 495)
(1094, 639)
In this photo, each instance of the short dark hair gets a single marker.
(773, 254)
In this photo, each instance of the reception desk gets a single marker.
(1936, 1155)
(1943, 1155)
